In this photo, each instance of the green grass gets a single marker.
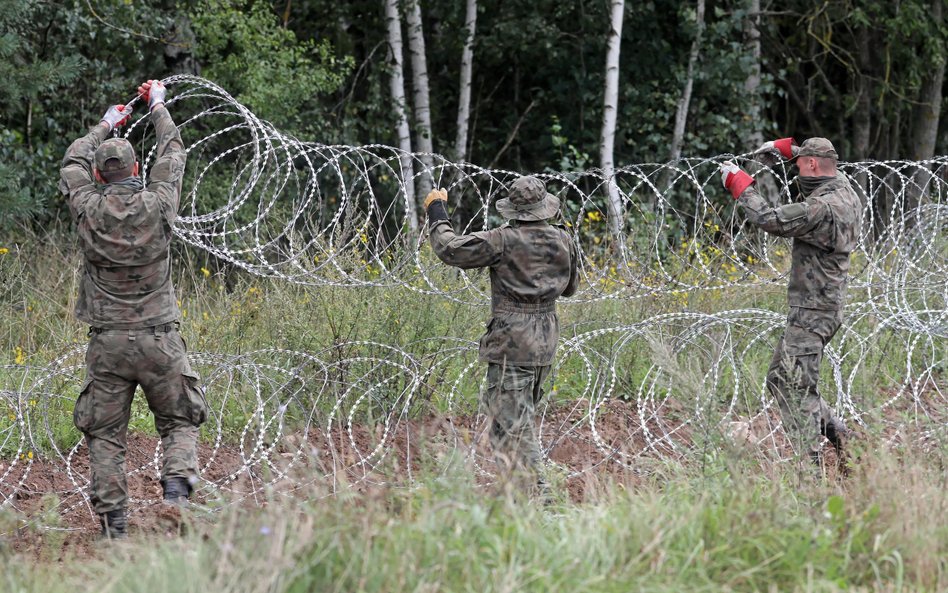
(718, 519)
(727, 527)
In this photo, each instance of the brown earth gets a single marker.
(54, 522)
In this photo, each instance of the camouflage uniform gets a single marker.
(825, 228)
(532, 263)
(126, 296)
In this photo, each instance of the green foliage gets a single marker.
(264, 65)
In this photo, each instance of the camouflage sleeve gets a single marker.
(167, 174)
(573, 267)
(76, 180)
(809, 221)
(477, 250)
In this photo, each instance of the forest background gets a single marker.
(695, 77)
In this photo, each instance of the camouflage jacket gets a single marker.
(125, 232)
(531, 265)
(825, 228)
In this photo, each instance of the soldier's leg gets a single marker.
(825, 324)
(176, 399)
(102, 413)
(793, 377)
(509, 403)
(792, 380)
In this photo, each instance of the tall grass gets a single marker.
(724, 528)
(717, 519)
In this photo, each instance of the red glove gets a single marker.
(735, 180)
(117, 115)
(154, 92)
(770, 151)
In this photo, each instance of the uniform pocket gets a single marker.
(197, 402)
(82, 413)
(798, 341)
(517, 378)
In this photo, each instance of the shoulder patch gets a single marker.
(792, 212)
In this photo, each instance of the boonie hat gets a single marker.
(114, 154)
(820, 147)
(527, 200)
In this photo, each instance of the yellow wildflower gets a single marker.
(4, 251)
(206, 272)
(19, 356)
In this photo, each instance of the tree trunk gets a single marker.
(755, 136)
(928, 109)
(419, 69)
(862, 118)
(397, 88)
(464, 95)
(681, 115)
(179, 48)
(609, 112)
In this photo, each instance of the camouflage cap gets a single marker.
(820, 147)
(527, 200)
(114, 154)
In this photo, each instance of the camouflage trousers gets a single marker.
(509, 402)
(794, 375)
(117, 361)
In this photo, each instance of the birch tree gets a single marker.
(464, 95)
(755, 136)
(397, 88)
(419, 69)
(609, 111)
(684, 103)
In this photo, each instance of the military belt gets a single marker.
(509, 306)
(133, 332)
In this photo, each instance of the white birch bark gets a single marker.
(609, 111)
(755, 136)
(397, 88)
(681, 115)
(419, 69)
(464, 96)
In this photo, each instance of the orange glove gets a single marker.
(436, 195)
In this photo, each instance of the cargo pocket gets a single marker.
(197, 403)
(82, 413)
(516, 379)
(798, 342)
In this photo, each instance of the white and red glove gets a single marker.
(770, 151)
(734, 179)
(117, 115)
(154, 92)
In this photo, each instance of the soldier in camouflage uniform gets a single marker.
(126, 296)
(825, 227)
(532, 263)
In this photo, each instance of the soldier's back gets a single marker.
(535, 267)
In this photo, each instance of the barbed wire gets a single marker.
(361, 412)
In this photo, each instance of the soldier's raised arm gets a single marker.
(77, 178)
(477, 250)
(167, 174)
(806, 220)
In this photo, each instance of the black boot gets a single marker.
(837, 434)
(114, 525)
(176, 491)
